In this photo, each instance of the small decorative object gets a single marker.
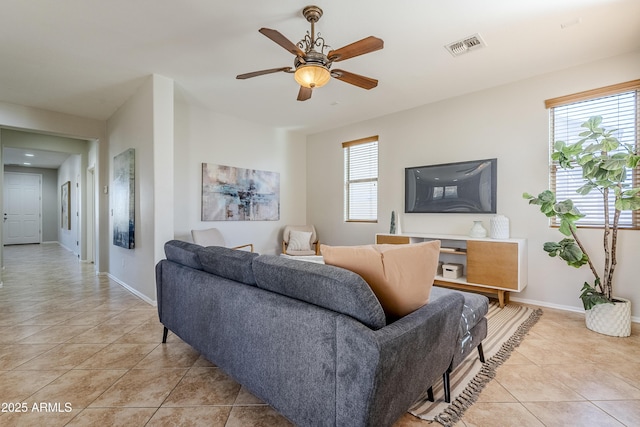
(478, 230)
(392, 228)
(452, 271)
(499, 227)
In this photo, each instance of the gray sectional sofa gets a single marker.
(309, 339)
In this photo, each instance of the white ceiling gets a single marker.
(33, 158)
(86, 57)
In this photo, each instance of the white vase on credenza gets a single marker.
(499, 227)
(478, 230)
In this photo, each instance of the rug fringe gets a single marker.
(469, 395)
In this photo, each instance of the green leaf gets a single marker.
(590, 297)
(559, 145)
(610, 143)
(586, 189)
(628, 203)
(547, 196)
(614, 164)
(564, 207)
(568, 250)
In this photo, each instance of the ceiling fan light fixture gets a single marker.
(312, 75)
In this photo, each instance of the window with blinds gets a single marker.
(619, 107)
(361, 180)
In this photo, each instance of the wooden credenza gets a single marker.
(489, 265)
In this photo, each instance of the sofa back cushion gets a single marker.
(401, 276)
(228, 263)
(326, 286)
(184, 253)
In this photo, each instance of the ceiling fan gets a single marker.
(311, 67)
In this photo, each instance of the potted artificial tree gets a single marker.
(605, 164)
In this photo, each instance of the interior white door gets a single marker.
(22, 219)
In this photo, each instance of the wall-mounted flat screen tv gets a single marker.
(463, 187)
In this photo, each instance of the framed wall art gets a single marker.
(123, 199)
(65, 206)
(237, 194)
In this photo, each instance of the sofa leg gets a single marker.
(164, 335)
(480, 353)
(445, 385)
(430, 397)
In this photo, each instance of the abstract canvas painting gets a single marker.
(237, 194)
(123, 193)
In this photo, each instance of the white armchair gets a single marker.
(213, 237)
(300, 240)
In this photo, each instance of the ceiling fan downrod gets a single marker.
(312, 14)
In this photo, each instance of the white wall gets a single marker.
(508, 122)
(132, 126)
(202, 136)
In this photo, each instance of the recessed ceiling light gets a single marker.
(27, 164)
(29, 154)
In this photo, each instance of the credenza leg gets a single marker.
(501, 297)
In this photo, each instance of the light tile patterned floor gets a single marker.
(85, 351)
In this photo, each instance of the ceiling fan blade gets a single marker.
(355, 79)
(277, 37)
(260, 73)
(366, 45)
(304, 93)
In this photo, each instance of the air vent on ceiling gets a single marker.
(465, 45)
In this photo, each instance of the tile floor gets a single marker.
(78, 349)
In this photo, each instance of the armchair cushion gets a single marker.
(401, 276)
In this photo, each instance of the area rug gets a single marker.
(506, 329)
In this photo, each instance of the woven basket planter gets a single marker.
(610, 319)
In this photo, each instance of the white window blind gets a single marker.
(361, 180)
(619, 107)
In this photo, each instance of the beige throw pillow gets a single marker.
(299, 240)
(401, 276)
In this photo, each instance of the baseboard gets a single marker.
(132, 290)
(634, 319)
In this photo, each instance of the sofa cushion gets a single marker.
(401, 276)
(228, 263)
(329, 287)
(476, 307)
(184, 253)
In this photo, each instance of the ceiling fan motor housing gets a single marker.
(312, 13)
